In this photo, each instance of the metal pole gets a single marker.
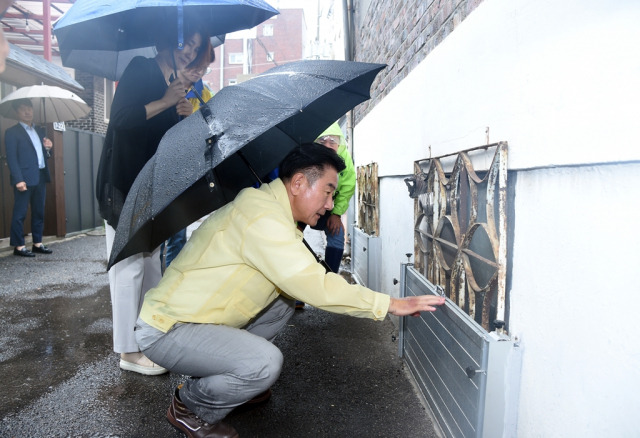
(347, 16)
(221, 67)
(46, 35)
(346, 30)
(245, 53)
(502, 229)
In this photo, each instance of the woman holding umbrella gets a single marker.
(198, 94)
(149, 99)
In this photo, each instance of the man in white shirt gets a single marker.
(29, 173)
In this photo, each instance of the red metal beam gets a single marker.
(36, 41)
(31, 16)
(46, 11)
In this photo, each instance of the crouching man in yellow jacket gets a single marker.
(232, 289)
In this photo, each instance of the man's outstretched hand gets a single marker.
(414, 305)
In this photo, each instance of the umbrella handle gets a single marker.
(193, 88)
(204, 109)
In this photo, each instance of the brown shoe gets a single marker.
(260, 398)
(254, 402)
(193, 426)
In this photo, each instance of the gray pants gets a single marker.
(230, 366)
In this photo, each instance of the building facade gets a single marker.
(245, 54)
(558, 83)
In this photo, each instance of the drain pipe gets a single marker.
(348, 32)
(347, 21)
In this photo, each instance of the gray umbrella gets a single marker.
(50, 104)
(236, 139)
(111, 64)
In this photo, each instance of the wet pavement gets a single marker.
(341, 376)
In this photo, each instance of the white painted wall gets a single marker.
(397, 208)
(560, 81)
(575, 300)
(557, 79)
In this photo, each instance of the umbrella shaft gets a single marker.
(202, 102)
(246, 162)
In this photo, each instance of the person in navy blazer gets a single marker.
(27, 160)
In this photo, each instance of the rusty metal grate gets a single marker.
(368, 199)
(460, 229)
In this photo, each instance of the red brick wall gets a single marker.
(93, 94)
(401, 34)
(231, 71)
(286, 42)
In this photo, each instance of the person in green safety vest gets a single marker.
(331, 222)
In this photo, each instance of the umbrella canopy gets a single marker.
(111, 64)
(232, 142)
(102, 36)
(50, 104)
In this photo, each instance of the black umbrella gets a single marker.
(235, 140)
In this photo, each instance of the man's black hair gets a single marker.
(25, 101)
(311, 159)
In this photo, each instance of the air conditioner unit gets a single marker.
(468, 376)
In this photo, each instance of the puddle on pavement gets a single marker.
(47, 340)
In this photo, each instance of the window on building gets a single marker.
(271, 56)
(233, 81)
(236, 58)
(109, 91)
(267, 30)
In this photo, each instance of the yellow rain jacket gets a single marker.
(240, 259)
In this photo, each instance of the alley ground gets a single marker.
(341, 378)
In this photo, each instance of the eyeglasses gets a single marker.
(326, 138)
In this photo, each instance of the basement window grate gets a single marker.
(460, 229)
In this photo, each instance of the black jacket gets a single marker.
(131, 140)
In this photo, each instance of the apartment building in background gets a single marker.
(276, 41)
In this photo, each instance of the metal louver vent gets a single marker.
(460, 230)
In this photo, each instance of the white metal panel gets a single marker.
(365, 257)
(459, 366)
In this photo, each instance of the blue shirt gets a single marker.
(35, 139)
